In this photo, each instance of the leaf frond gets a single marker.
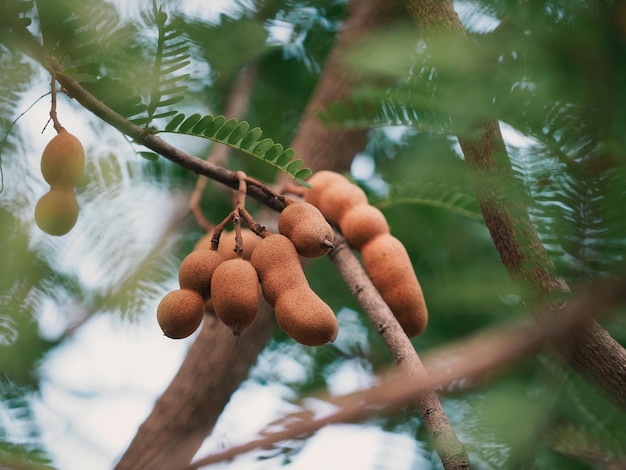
(436, 194)
(172, 55)
(238, 135)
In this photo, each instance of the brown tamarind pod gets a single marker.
(363, 223)
(235, 294)
(226, 247)
(305, 317)
(249, 240)
(278, 265)
(307, 229)
(63, 160)
(319, 181)
(286, 288)
(334, 195)
(196, 270)
(56, 212)
(204, 242)
(389, 267)
(180, 313)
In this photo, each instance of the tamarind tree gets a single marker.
(477, 145)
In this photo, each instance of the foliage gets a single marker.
(552, 73)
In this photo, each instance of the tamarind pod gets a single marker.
(278, 265)
(63, 160)
(286, 288)
(249, 240)
(226, 247)
(319, 181)
(235, 294)
(204, 242)
(305, 317)
(307, 229)
(180, 313)
(197, 269)
(388, 265)
(363, 223)
(335, 198)
(56, 211)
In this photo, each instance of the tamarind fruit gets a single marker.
(197, 269)
(334, 195)
(319, 182)
(384, 257)
(299, 311)
(306, 227)
(63, 160)
(389, 267)
(56, 212)
(363, 223)
(226, 247)
(235, 294)
(180, 313)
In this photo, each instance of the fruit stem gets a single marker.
(53, 105)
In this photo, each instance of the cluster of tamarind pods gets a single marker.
(230, 284)
(62, 166)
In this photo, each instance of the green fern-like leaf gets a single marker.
(168, 85)
(435, 194)
(239, 136)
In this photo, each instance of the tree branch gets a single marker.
(451, 451)
(591, 351)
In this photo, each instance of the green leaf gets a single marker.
(175, 67)
(226, 129)
(263, 147)
(168, 102)
(435, 194)
(175, 122)
(236, 135)
(202, 124)
(238, 132)
(273, 153)
(214, 126)
(190, 122)
(251, 138)
(285, 157)
(171, 56)
(150, 156)
(294, 166)
(303, 174)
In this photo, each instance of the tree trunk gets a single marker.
(591, 351)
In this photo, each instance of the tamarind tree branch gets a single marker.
(451, 451)
(590, 351)
(485, 352)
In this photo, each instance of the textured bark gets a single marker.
(590, 351)
(450, 450)
(184, 415)
(334, 148)
(189, 407)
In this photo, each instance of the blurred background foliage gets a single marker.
(551, 71)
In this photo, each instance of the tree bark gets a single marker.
(215, 366)
(590, 350)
